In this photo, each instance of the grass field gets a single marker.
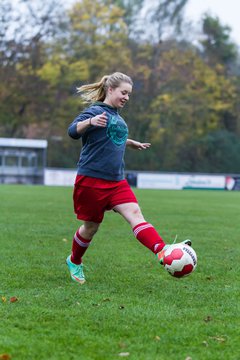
(130, 307)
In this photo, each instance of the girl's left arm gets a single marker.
(137, 145)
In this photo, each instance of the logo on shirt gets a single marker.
(117, 130)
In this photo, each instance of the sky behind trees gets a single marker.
(227, 11)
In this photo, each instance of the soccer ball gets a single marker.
(180, 260)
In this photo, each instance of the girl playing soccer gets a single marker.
(100, 184)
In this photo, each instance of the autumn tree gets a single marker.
(93, 44)
(217, 45)
(193, 101)
(184, 101)
(22, 48)
(131, 14)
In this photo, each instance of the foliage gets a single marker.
(96, 34)
(23, 99)
(193, 101)
(218, 151)
(218, 48)
(182, 94)
(131, 13)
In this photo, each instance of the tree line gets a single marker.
(185, 95)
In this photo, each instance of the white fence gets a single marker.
(59, 177)
(179, 181)
(171, 181)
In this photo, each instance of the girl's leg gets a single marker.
(143, 231)
(82, 239)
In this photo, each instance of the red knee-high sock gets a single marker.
(149, 237)
(79, 246)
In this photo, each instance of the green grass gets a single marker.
(130, 305)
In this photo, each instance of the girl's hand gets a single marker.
(99, 120)
(137, 144)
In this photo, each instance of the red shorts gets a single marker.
(92, 197)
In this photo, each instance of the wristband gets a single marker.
(90, 121)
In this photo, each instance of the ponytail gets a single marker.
(93, 92)
(97, 91)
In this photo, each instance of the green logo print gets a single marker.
(117, 131)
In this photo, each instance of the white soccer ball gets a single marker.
(180, 260)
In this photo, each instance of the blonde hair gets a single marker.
(98, 91)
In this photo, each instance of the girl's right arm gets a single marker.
(77, 128)
(83, 125)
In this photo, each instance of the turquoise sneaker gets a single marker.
(160, 254)
(76, 271)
